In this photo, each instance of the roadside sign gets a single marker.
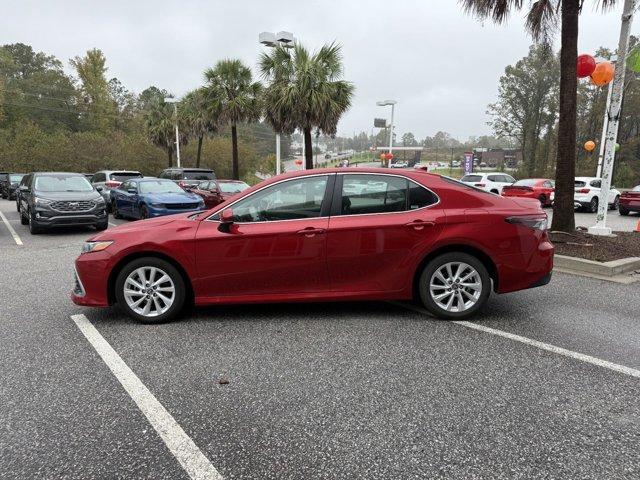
(468, 162)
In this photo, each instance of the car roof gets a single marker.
(60, 173)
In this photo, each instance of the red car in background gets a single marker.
(541, 189)
(325, 234)
(214, 192)
(629, 201)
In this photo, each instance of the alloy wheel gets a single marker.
(455, 287)
(149, 291)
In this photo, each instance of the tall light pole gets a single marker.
(272, 40)
(175, 113)
(613, 114)
(384, 103)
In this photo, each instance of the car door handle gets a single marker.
(419, 224)
(311, 231)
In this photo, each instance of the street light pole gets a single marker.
(271, 40)
(175, 119)
(384, 103)
(613, 114)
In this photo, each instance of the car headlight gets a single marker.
(41, 201)
(99, 200)
(89, 247)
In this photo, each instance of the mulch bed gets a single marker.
(598, 248)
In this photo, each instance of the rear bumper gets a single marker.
(522, 271)
(633, 205)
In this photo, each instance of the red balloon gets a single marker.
(389, 156)
(586, 65)
(298, 162)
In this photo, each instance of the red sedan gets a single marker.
(629, 201)
(326, 234)
(541, 189)
(215, 192)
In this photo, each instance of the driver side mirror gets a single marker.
(226, 217)
(132, 190)
(24, 188)
(99, 188)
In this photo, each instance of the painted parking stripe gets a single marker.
(113, 224)
(13, 233)
(196, 464)
(541, 345)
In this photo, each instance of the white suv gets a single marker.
(587, 194)
(489, 182)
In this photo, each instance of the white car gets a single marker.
(399, 165)
(489, 182)
(587, 194)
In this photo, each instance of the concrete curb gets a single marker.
(615, 270)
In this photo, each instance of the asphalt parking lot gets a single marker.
(545, 384)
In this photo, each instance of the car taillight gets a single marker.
(537, 223)
(479, 185)
(583, 190)
(112, 184)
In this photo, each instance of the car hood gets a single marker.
(178, 197)
(72, 196)
(140, 226)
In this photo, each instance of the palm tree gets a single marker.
(305, 91)
(199, 117)
(541, 20)
(160, 125)
(234, 97)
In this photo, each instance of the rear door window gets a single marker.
(367, 194)
(495, 178)
(471, 178)
(197, 175)
(122, 176)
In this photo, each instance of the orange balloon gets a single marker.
(589, 146)
(383, 156)
(603, 73)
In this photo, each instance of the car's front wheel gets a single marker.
(454, 285)
(150, 290)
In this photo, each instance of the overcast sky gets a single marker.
(441, 65)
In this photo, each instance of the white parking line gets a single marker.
(13, 233)
(177, 441)
(113, 224)
(541, 345)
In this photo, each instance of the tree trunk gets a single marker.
(170, 157)
(234, 152)
(563, 217)
(199, 151)
(308, 149)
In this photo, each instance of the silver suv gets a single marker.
(105, 180)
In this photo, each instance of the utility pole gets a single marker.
(613, 115)
(604, 132)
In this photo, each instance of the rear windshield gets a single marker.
(15, 178)
(124, 176)
(579, 183)
(197, 175)
(464, 185)
(525, 183)
(471, 178)
(234, 187)
(62, 183)
(159, 186)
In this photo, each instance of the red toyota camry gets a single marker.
(541, 189)
(333, 234)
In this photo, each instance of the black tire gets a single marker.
(616, 203)
(23, 219)
(102, 226)
(34, 228)
(623, 211)
(170, 270)
(4, 195)
(495, 191)
(593, 205)
(435, 264)
(144, 212)
(114, 210)
(18, 205)
(543, 201)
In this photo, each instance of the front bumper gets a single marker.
(161, 211)
(91, 273)
(47, 217)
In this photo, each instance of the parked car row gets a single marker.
(51, 199)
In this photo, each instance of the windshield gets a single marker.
(197, 175)
(636, 189)
(160, 186)
(234, 187)
(62, 183)
(124, 176)
(15, 178)
(525, 183)
(471, 178)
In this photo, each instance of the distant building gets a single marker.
(499, 157)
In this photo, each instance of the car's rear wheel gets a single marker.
(150, 290)
(622, 210)
(454, 285)
(114, 209)
(593, 205)
(543, 201)
(616, 203)
(495, 191)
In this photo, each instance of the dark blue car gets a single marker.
(152, 197)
